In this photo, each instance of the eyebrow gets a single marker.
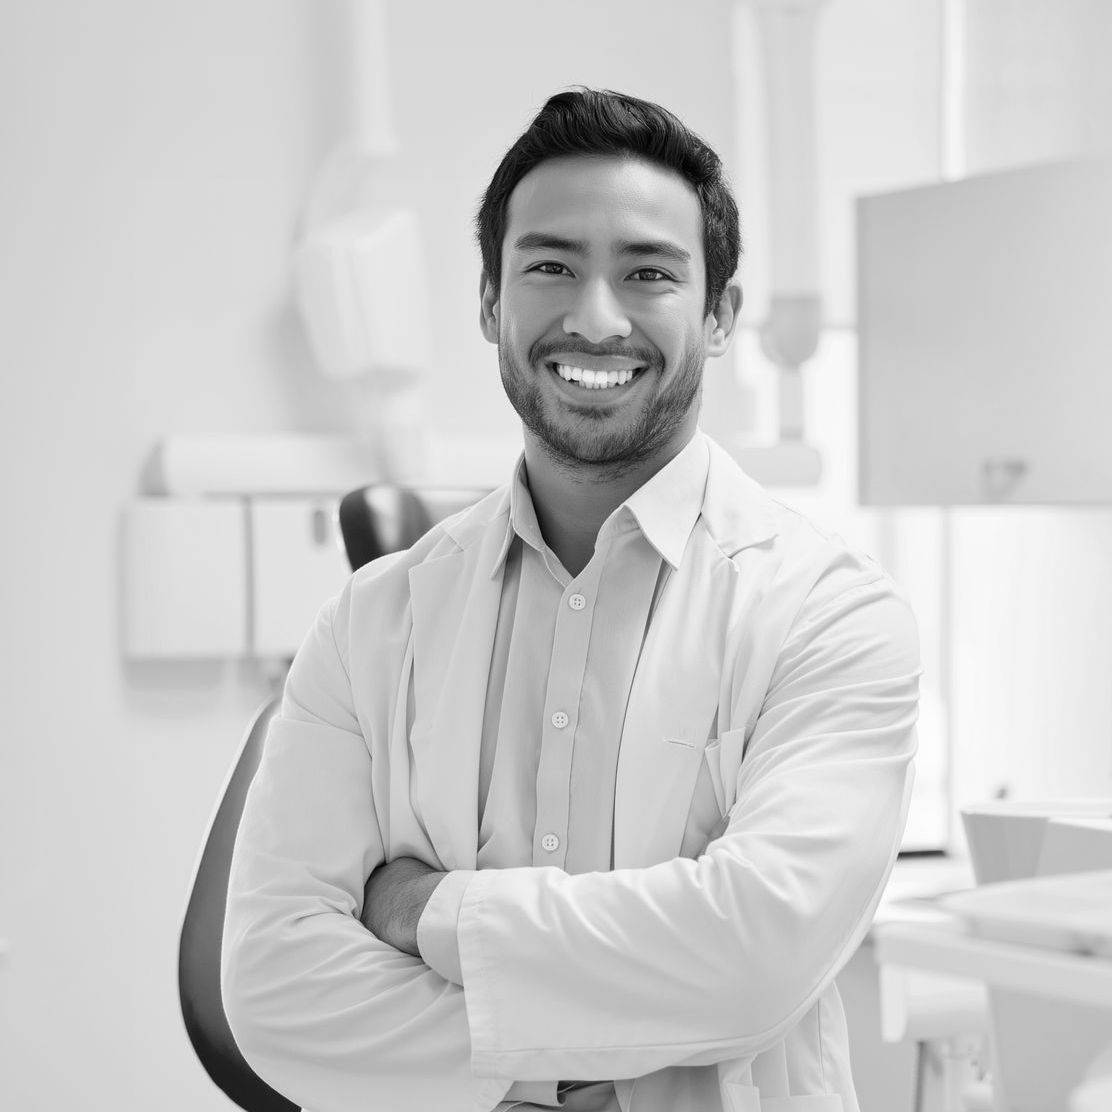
(659, 248)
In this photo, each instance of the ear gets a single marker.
(488, 308)
(723, 319)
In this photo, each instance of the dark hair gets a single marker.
(601, 122)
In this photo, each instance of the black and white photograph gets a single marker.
(557, 556)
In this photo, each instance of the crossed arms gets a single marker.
(595, 976)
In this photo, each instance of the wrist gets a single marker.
(394, 900)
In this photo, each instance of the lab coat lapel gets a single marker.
(671, 711)
(455, 610)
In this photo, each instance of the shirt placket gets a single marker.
(560, 722)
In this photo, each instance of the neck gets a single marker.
(572, 500)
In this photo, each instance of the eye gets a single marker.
(651, 274)
(550, 268)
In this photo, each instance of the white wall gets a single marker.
(1037, 84)
(153, 158)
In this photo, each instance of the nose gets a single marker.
(596, 314)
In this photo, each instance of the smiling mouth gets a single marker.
(594, 380)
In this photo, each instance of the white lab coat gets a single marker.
(700, 982)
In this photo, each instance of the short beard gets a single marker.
(613, 453)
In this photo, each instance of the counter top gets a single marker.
(945, 946)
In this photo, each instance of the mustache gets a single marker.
(545, 349)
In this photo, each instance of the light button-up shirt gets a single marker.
(565, 652)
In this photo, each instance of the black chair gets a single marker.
(202, 1007)
(374, 520)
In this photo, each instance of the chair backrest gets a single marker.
(202, 932)
(374, 520)
(382, 518)
(378, 519)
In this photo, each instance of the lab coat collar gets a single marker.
(737, 511)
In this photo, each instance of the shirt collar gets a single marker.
(665, 508)
(521, 518)
(668, 505)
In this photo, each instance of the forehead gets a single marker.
(606, 199)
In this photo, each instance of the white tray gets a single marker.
(1071, 912)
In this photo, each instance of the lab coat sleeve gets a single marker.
(692, 962)
(321, 1009)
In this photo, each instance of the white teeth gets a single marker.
(593, 380)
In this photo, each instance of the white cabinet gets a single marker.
(227, 577)
(297, 564)
(237, 544)
(985, 318)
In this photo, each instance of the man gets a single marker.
(584, 800)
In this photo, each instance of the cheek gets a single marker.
(523, 319)
(675, 334)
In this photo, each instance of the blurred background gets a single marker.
(169, 177)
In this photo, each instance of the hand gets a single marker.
(393, 899)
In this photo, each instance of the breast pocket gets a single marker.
(707, 815)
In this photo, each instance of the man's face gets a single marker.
(603, 279)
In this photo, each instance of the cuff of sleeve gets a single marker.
(437, 929)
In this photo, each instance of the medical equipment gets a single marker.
(360, 290)
(1035, 941)
(790, 332)
(984, 339)
(359, 266)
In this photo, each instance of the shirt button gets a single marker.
(560, 720)
(550, 842)
(577, 602)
